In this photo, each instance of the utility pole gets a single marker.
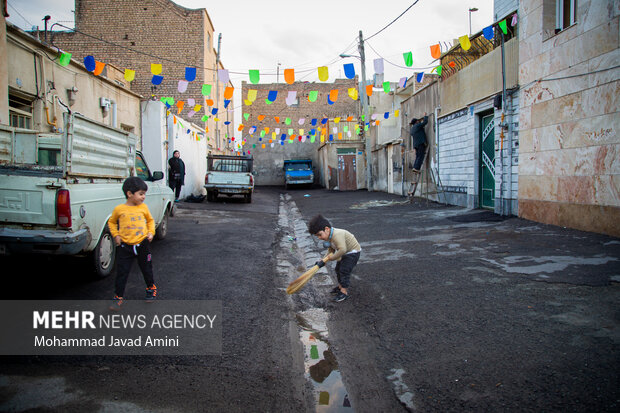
(217, 87)
(364, 100)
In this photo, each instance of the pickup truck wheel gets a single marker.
(211, 195)
(162, 228)
(248, 198)
(104, 255)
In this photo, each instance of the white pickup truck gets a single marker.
(229, 175)
(57, 191)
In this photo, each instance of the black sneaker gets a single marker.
(151, 293)
(341, 297)
(335, 290)
(116, 303)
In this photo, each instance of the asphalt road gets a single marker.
(450, 310)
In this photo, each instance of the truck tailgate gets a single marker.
(229, 178)
(23, 202)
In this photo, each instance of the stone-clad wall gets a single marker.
(569, 166)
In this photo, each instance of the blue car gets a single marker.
(298, 172)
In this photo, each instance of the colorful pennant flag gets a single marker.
(402, 82)
(228, 92)
(352, 93)
(291, 99)
(289, 76)
(222, 75)
(323, 73)
(313, 95)
(419, 77)
(206, 90)
(503, 26)
(190, 74)
(272, 96)
(182, 87)
(252, 95)
(98, 67)
(89, 63)
(130, 75)
(333, 95)
(64, 59)
(369, 90)
(349, 70)
(386, 87)
(465, 43)
(254, 76)
(156, 68)
(408, 56)
(488, 32)
(436, 51)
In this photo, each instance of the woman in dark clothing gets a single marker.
(176, 178)
(418, 138)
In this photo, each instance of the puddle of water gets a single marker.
(377, 203)
(320, 363)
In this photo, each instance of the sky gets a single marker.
(304, 34)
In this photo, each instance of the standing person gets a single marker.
(343, 248)
(133, 228)
(418, 141)
(176, 178)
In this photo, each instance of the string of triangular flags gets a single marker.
(488, 33)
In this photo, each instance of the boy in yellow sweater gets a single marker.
(133, 228)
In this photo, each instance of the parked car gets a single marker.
(298, 172)
(57, 191)
(229, 175)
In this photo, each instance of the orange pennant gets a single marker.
(228, 92)
(240, 127)
(277, 119)
(209, 102)
(369, 90)
(98, 67)
(333, 95)
(436, 51)
(289, 76)
(261, 117)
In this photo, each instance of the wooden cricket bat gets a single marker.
(303, 278)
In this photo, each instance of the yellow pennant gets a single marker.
(156, 68)
(353, 93)
(323, 74)
(130, 75)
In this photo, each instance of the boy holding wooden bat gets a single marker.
(343, 248)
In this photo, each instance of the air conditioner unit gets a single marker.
(104, 102)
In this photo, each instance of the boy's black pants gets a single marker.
(344, 267)
(125, 255)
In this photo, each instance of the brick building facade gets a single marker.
(136, 33)
(272, 119)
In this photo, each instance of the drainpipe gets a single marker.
(113, 116)
(501, 184)
(54, 124)
(437, 109)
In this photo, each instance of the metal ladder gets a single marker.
(418, 176)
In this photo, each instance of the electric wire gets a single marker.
(390, 23)
(394, 64)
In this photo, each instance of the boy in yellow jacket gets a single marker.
(133, 228)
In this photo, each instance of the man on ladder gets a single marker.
(418, 142)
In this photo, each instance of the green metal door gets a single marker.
(487, 162)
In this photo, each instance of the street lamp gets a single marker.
(471, 9)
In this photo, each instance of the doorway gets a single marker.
(487, 161)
